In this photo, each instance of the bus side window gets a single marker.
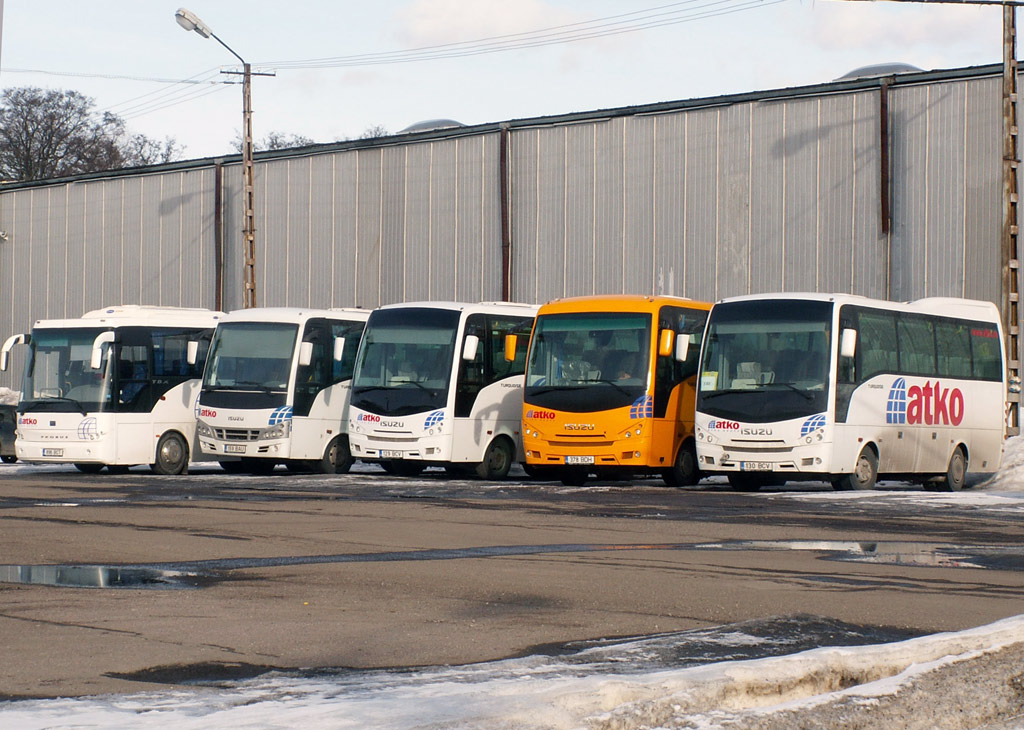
(472, 375)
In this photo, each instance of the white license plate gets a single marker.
(755, 466)
(53, 452)
(385, 454)
(234, 449)
(579, 460)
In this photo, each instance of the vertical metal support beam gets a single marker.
(248, 194)
(1010, 242)
(218, 236)
(506, 210)
(883, 157)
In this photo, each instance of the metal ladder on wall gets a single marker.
(1011, 227)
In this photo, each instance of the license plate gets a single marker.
(385, 454)
(579, 460)
(53, 452)
(755, 466)
(234, 449)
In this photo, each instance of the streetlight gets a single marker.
(190, 21)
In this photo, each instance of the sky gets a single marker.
(127, 56)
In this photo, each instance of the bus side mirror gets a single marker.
(9, 344)
(682, 347)
(305, 353)
(510, 347)
(666, 339)
(192, 352)
(339, 348)
(469, 347)
(97, 348)
(848, 343)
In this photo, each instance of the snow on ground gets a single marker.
(9, 397)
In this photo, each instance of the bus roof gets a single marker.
(137, 315)
(620, 303)
(480, 307)
(294, 314)
(947, 306)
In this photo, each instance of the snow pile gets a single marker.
(9, 397)
(1010, 476)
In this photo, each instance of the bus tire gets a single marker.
(337, 458)
(684, 473)
(574, 477)
(956, 472)
(257, 466)
(89, 468)
(171, 455)
(9, 458)
(497, 460)
(864, 475)
(117, 469)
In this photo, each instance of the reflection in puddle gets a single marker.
(921, 554)
(95, 576)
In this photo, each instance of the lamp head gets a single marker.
(190, 21)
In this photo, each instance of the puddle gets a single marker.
(918, 554)
(199, 573)
(97, 576)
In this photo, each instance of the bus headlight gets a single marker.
(278, 431)
(203, 429)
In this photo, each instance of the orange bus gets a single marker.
(610, 387)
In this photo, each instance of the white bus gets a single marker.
(432, 386)
(276, 389)
(115, 388)
(848, 389)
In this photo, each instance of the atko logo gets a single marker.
(24, 421)
(723, 426)
(930, 404)
(542, 415)
(368, 418)
(207, 413)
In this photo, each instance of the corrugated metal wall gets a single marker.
(750, 195)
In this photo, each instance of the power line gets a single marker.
(648, 18)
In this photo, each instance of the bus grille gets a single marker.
(236, 434)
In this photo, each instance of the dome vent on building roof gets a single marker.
(879, 69)
(429, 125)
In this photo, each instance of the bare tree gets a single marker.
(377, 130)
(46, 133)
(276, 141)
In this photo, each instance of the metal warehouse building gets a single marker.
(888, 187)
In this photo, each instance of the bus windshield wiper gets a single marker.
(611, 383)
(39, 401)
(795, 389)
(720, 393)
(538, 390)
(262, 387)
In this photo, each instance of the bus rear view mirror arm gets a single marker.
(97, 348)
(9, 344)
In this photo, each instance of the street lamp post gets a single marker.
(191, 22)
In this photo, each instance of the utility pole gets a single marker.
(1010, 243)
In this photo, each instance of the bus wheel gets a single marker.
(89, 468)
(745, 482)
(956, 472)
(9, 458)
(171, 455)
(117, 469)
(337, 458)
(403, 468)
(497, 460)
(258, 467)
(232, 467)
(684, 473)
(865, 472)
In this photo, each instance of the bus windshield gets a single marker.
(405, 361)
(58, 376)
(766, 360)
(585, 362)
(251, 356)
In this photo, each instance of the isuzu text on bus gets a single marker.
(843, 388)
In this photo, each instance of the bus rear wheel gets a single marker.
(742, 482)
(89, 468)
(956, 472)
(497, 460)
(403, 468)
(8, 458)
(171, 455)
(684, 472)
(337, 458)
(864, 475)
(574, 477)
